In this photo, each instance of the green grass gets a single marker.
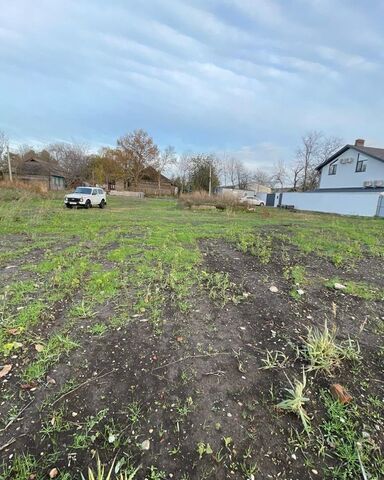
(358, 289)
(132, 260)
(57, 346)
(342, 432)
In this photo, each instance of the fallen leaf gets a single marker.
(180, 339)
(39, 348)
(5, 370)
(28, 386)
(14, 331)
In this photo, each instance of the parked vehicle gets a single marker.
(86, 197)
(252, 200)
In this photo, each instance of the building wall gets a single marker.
(41, 179)
(346, 175)
(344, 203)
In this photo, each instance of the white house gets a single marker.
(351, 183)
(353, 168)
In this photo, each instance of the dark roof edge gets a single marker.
(344, 149)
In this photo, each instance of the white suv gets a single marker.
(252, 200)
(86, 197)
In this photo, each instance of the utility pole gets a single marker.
(9, 165)
(210, 179)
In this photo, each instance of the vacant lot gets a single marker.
(189, 344)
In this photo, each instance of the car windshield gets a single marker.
(85, 190)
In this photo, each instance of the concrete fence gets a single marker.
(345, 203)
(124, 193)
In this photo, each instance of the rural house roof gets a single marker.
(152, 173)
(377, 153)
(35, 166)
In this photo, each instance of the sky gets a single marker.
(246, 77)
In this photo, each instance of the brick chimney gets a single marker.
(359, 142)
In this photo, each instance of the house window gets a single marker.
(361, 165)
(332, 169)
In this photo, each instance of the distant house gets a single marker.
(33, 169)
(353, 168)
(151, 183)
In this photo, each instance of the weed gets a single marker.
(102, 474)
(204, 449)
(98, 329)
(220, 289)
(22, 467)
(156, 474)
(296, 274)
(295, 401)
(257, 245)
(83, 310)
(322, 351)
(274, 359)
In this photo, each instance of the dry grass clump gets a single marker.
(15, 190)
(203, 198)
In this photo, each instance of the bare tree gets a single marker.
(165, 159)
(308, 153)
(73, 158)
(315, 149)
(136, 151)
(261, 177)
(3, 150)
(231, 168)
(183, 171)
(279, 174)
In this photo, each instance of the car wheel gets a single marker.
(68, 205)
(262, 204)
(102, 204)
(88, 204)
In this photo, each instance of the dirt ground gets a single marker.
(151, 399)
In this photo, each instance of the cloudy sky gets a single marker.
(243, 76)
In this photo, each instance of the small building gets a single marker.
(33, 169)
(353, 168)
(151, 183)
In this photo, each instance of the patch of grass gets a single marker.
(21, 468)
(53, 350)
(103, 285)
(98, 329)
(358, 289)
(357, 453)
(257, 245)
(324, 353)
(296, 274)
(220, 288)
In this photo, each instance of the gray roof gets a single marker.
(377, 153)
(35, 166)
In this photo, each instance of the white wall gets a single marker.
(346, 175)
(345, 203)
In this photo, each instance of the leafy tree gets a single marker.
(135, 152)
(202, 167)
